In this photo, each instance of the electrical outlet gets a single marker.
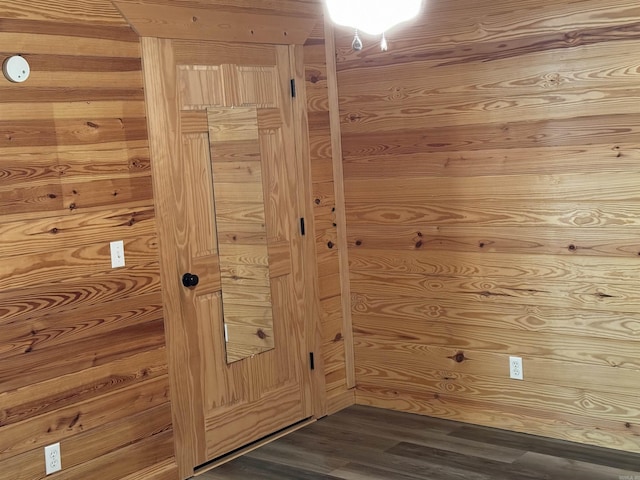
(515, 368)
(117, 254)
(52, 458)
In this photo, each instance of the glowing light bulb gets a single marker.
(372, 16)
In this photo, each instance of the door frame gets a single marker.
(160, 81)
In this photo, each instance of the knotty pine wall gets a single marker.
(491, 163)
(82, 347)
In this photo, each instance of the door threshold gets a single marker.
(216, 462)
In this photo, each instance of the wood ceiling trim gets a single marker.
(222, 22)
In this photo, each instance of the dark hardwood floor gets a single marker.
(363, 443)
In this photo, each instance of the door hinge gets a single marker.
(293, 88)
(303, 230)
(312, 361)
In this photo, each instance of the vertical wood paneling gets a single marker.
(492, 191)
(82, 345)
(337, 347)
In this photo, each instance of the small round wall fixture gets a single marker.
(16, 69)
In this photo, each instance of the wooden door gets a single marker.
(225, 111)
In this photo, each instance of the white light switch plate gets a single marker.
(117, 254)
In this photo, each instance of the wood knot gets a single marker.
(54, 230)
(317, 201)
(261, 335)
(72, 206)
(603, 295)
(74, 421)
(92, 125)
(572, 248)
(458, 357)
(358, 242)
(419, 244)
(338, 337)
(330, 245)
(481, 244)
(617, 150)
(628, 425)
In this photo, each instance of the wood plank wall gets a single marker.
(335, 337)
(82, 347)
(491, 163)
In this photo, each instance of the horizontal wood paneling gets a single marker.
(82, 350)
(491, 176)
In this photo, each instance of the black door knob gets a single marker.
(190, 280)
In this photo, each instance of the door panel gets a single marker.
(200, 85)
(245, 246)
(244, 261)
(202, 235)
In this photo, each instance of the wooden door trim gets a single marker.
(341, 220)
(163, 118)
(221, 21)
(316, 378)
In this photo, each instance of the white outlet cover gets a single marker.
(515, 368)
(117, 254)
(16, 69)
(52, 459)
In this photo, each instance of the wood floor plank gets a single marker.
(429, 437)
(550, 465)
(301, 458)
(448, 459)
(247, 467)
(357, 471)
(365, 443)
(548, 446)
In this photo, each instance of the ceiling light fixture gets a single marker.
(374, 17)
